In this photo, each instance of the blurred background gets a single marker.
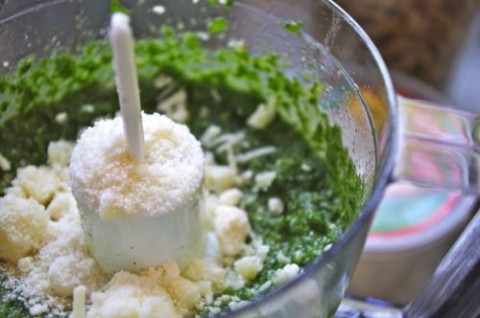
(434, 41)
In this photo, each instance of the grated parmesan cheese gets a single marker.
(136, 203)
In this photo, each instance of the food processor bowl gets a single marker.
(358, 96)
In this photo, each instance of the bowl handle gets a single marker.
(454, 288)
(438, 147)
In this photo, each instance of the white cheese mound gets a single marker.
(105, 178)
(23, 223)
(231, 227)
(137, 203)
(130, 295)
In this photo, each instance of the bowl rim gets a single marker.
(382, 178)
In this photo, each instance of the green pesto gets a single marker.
(316, 178)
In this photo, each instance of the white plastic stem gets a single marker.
(127, 84)
(79, 295)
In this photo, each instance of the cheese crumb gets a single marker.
(61, 118)
(230, 197)
(264, 180)
(285, 274)
(232, 227)
(59, 153)
(4, 163)
(23, 223)
(262, 116)
(39, 183)
(158, 9)
(248, 266)
(275, 205)
(175, 107)
(210, 136)
(219, 178)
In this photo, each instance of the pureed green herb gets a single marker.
(315, 177)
